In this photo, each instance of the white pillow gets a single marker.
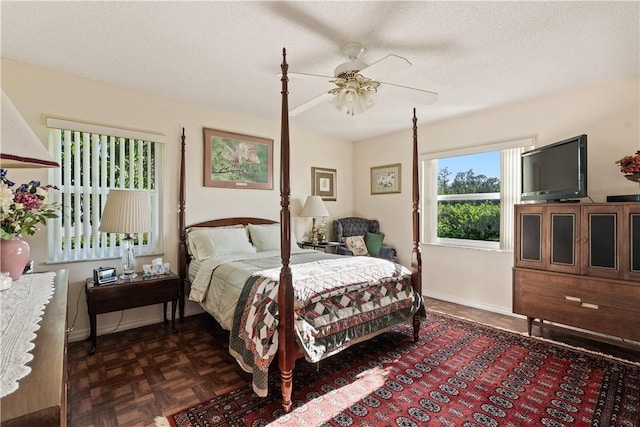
(356, 245)
(213, 242)
(266, 237)
(191, 247)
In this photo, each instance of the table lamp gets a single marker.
(126, 212)
(314, 207)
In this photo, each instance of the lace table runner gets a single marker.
(21, 309)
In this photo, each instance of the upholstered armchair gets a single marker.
(354, 226)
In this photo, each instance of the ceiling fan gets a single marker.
(357, 84)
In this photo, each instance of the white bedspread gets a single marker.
(219, 294)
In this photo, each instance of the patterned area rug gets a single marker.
(459, 373)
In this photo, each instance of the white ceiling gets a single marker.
(475, 55)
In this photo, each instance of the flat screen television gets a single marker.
(556, 172)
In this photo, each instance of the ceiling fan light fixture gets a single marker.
(352, 102)
(355, 94)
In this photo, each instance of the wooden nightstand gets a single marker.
(124, 294)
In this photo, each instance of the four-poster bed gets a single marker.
(278, 300)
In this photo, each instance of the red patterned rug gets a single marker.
(459, 373)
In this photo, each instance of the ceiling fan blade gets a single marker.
(386, 66)
(423, 97)
(326, 96)
(302, 15)
(308, 76)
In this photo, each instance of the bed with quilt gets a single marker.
(339, 300)
(281, 302)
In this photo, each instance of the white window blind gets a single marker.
(93, 159)
(510, 190)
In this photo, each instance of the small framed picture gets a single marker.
(385, 179)
(233, 160)
(323, 183)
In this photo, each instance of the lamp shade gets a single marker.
(313, 207)
(126, 211)
(20, 147)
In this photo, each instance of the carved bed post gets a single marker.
(182, 246)
(286, 338)
(416, 259)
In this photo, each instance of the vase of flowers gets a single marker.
(22, 209)
(322, 231)
(630, 166)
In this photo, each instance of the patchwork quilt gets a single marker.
(338, 302)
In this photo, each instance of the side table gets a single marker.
(124, 294)
(329, 247)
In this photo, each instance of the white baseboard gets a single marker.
(470, 303)
(105, 329)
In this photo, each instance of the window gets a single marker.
(469, 195)
(469, 202)
(93, 159)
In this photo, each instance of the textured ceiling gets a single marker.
(475, 55)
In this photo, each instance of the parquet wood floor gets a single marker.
(139, 374)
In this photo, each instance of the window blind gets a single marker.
(94, 159)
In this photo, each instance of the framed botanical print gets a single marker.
(323, 183)
(233, 160)
(385, 179)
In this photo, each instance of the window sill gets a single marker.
(72, 261)
(480, 246)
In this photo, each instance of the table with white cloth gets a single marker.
(33, 342)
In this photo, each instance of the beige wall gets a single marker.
(39, 92)
(608, 113)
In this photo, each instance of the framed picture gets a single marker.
(385, 179)
(233, 160)
(323, 183)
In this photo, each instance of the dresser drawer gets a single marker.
(603, 292)
(601, 305)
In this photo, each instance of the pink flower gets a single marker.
(29, 201)
(249, 153)
(242, 151)
(233, 154)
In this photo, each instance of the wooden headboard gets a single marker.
(226, 222)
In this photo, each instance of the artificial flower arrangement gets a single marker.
(630, 165)
(24, 207)
(322, 231)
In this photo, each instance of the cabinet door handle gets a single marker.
(569, 298)
(587, 305)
